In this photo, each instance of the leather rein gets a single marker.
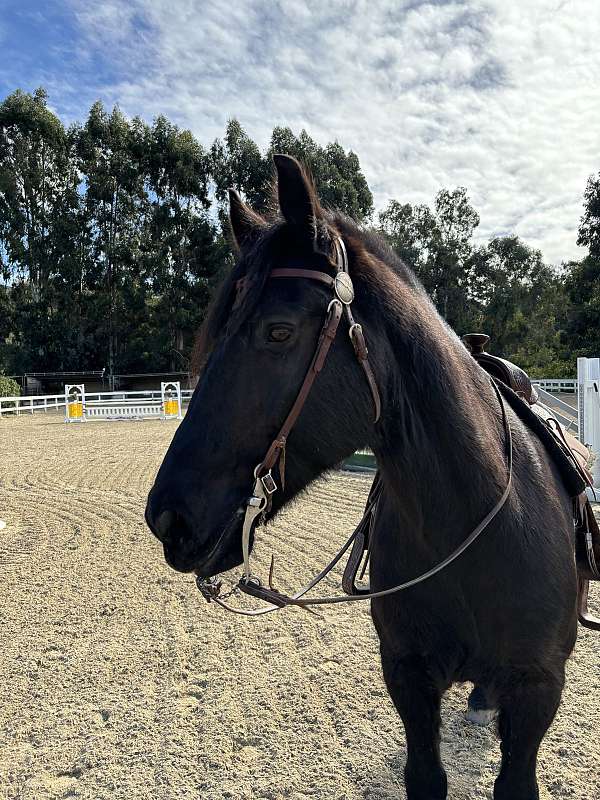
(259, 503)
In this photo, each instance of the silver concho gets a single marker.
(344, 290)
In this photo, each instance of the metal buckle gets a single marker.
(268, 483)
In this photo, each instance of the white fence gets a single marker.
(51, 402)
(588, 401)
(565, 413)
(560, 385)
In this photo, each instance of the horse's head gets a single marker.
(258, 344)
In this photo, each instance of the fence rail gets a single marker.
(45, 402)
(549, 398)
(566, 385)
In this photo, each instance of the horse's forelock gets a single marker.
(224, 315)
(371, 259)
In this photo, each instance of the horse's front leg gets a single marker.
(418, 701)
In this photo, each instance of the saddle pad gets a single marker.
(571, 475)
(579, 450)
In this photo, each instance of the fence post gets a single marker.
(588, 407)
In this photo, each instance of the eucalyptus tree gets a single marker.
(437, 244)
(582, 279)
(113, 233)
(236, 161)
(338, 176)
(36, 176)
(183, 250)
(39, 209)
(111, 153)
(521, 305)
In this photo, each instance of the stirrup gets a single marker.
(585, 618)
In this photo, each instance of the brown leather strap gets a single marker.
(297, 598)
(313, 274)
(362, 541)
(343, 296)
(356, 333)
(326, 338)
(362, 354)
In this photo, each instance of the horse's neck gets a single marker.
(440, 448)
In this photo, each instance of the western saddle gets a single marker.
(570, 455)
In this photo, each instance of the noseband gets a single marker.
(259, 503)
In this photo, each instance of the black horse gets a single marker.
(504, 614)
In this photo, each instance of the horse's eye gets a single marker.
(279, 333)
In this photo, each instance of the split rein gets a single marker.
(259, 503)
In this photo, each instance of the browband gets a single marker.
(312, 274)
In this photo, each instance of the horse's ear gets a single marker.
(246, 225)
(298, 200)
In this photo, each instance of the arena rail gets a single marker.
(565, 413)
(559, 385)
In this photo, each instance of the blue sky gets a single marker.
(500, 96)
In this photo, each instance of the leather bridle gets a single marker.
(259, 503)
(265, 484)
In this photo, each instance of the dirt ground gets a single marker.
(118, 682)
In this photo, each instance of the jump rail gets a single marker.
(80, 408)
(31, 404)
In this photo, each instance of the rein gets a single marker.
(259, 503)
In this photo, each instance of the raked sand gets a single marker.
(118, 682)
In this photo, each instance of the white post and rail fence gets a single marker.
(581, 417)
(588, 412)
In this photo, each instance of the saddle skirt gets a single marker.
(570, 456)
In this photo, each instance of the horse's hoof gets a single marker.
(478, 710)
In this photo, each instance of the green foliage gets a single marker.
(337, 174)
(9, 387)
(237, 162)
(114, 233)
(582, 328)
(437, 244)
(503, 289)
(109, 242)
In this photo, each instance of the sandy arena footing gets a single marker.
(118, 682)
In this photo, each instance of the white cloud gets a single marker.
(496, 95)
